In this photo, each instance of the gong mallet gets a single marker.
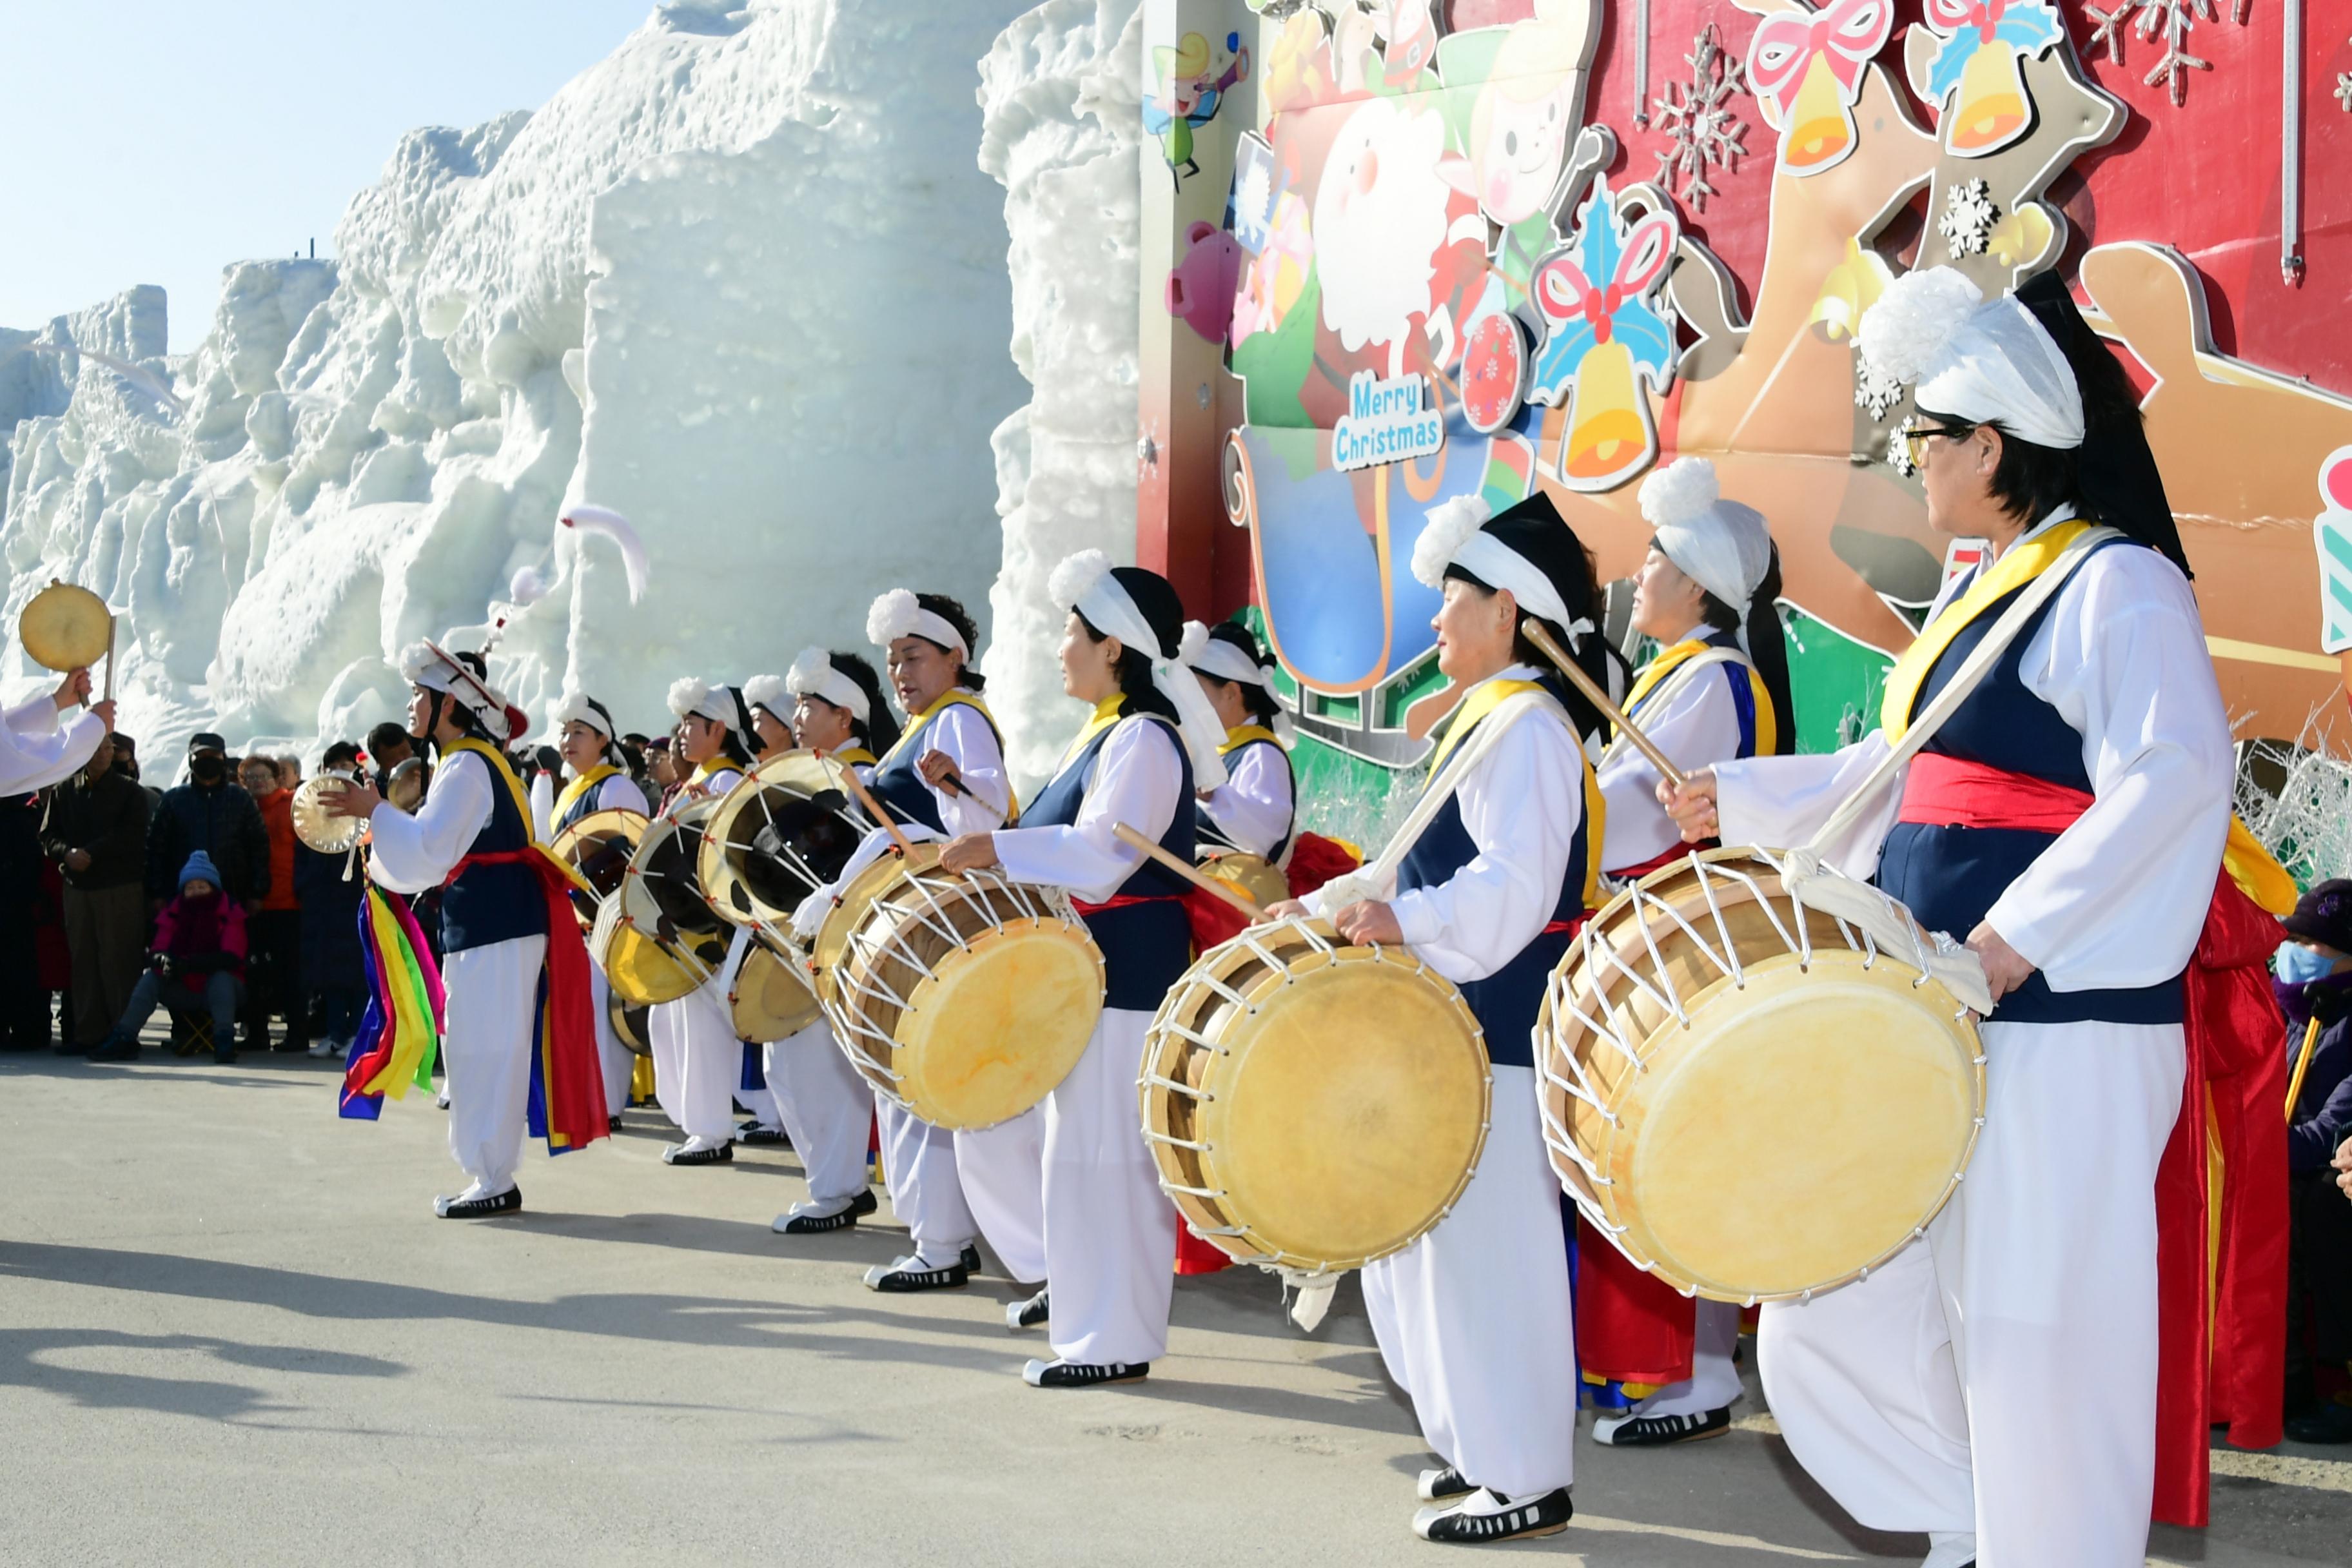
(1599, 698)
(1190, 873)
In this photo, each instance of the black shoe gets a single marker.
(1657, 1431)
(677, 1154)
(1484, 1517)
(507, 1201)
(1443, 1486)
(910, 1274)
(612, 1124)
(970, 1259)
(1033, 1313)
(761, 1137)
(2329, 1424)
(1082, 1375)
(861, 1205)
(115, 1048)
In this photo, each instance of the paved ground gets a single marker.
(230, 1331)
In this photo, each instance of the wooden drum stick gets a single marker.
(871, 806)
(1190, 873)
(1599, 698)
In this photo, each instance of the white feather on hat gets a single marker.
(1451, 524)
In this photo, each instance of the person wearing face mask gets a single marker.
(1716, 692)
(211, 814)
(945, 776)
(2314, 991)
(596, 781)
(834, 704)
(698, 1060)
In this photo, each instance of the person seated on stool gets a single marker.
(198, 961)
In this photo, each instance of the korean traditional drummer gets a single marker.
(771, 736)
(513, 963)
(945, 776)
(1152, 739)
(1716, 692)
(2067, 820)
(1254, 810)
(1475, 1321)
(833, 703)
(597, 781)
(698, 1060)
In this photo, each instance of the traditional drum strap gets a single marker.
(1668, 684)
(1374, 880)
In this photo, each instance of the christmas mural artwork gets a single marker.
(1440, 236)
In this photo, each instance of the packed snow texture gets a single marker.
(740, 280)
(1062, 130)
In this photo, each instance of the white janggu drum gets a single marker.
(1754, 1099)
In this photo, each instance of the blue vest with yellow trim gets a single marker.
(897, 784)
(1743, 691)
(1210, 835)
(1145, 948)
(487, 904)
(1505, 1003)
(586, 804)
(1950, 877)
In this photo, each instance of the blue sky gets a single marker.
(156, 141)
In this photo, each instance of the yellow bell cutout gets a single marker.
(1609, 432)
(1821, 127)
(1991, 107)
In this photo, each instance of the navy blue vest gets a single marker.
(489, 904)
(586, 804)
(1950, 877)
(1505, 1003)
(1145, 947)
(1211, 836)
(1743, 691)
(897, 785)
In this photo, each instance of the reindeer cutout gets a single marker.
(2239, 448)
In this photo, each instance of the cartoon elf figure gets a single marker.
(1189, 94)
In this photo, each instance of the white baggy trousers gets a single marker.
(1110, 1232)
(1475, 1321)
(698, 1063)
(492, 1019)
(826, 1110)
(2000, 1377)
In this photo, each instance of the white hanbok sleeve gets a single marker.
(2120, 900)
(620, 793)
(962, 734)
(1781, 802)
(1698, 726)
(1523, 807)
(1138, 779)
(41, 752)
(543, 805)
(415, 853)
(1254, 806)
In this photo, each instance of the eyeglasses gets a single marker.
(1915, 439)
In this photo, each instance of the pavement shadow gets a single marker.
(29, 1359)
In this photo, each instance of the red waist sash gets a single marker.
(1125, 901)
(1946, 792)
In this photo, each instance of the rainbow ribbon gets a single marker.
(399, 1036)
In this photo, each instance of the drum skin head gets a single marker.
(1254, 876)
(1810, 1133)
(641, 972)
(770, 1001)
(985, 1039)
(1351, 1109)
(65, 627)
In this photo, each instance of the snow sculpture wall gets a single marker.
(740, 279)
(1063, 131)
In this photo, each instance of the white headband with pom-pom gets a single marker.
(769, 691)
(1227, 662)
(702, 699)
(813, 675)
(1720, 544)
(573, 708)
(1084, 583)
(899, 614)
(1456, 535)
(1974, 359)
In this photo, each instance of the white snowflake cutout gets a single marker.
(1968, 216)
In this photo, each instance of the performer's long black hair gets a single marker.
(1258, 700)
(1768, 648)
(880, 732)
(1164, 613)
(1536, 531)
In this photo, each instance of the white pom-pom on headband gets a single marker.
(573, 708)
(1456, 535)
(1225, 661)
(769, 691)
(1974, 359)
(1722, 545)
(1085, 582)
(899, 614)
(813, 675)
(702, 700)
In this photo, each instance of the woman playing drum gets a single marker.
(2067, 819)
(945, 776)
(1716, 692)
(1252, 811)
(771, 732)
(592, 756)
(1109, 1232)
(836, 707)
(1474, 1320)
(697, 1060)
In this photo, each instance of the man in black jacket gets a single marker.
(96, 828)
(212, 815)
